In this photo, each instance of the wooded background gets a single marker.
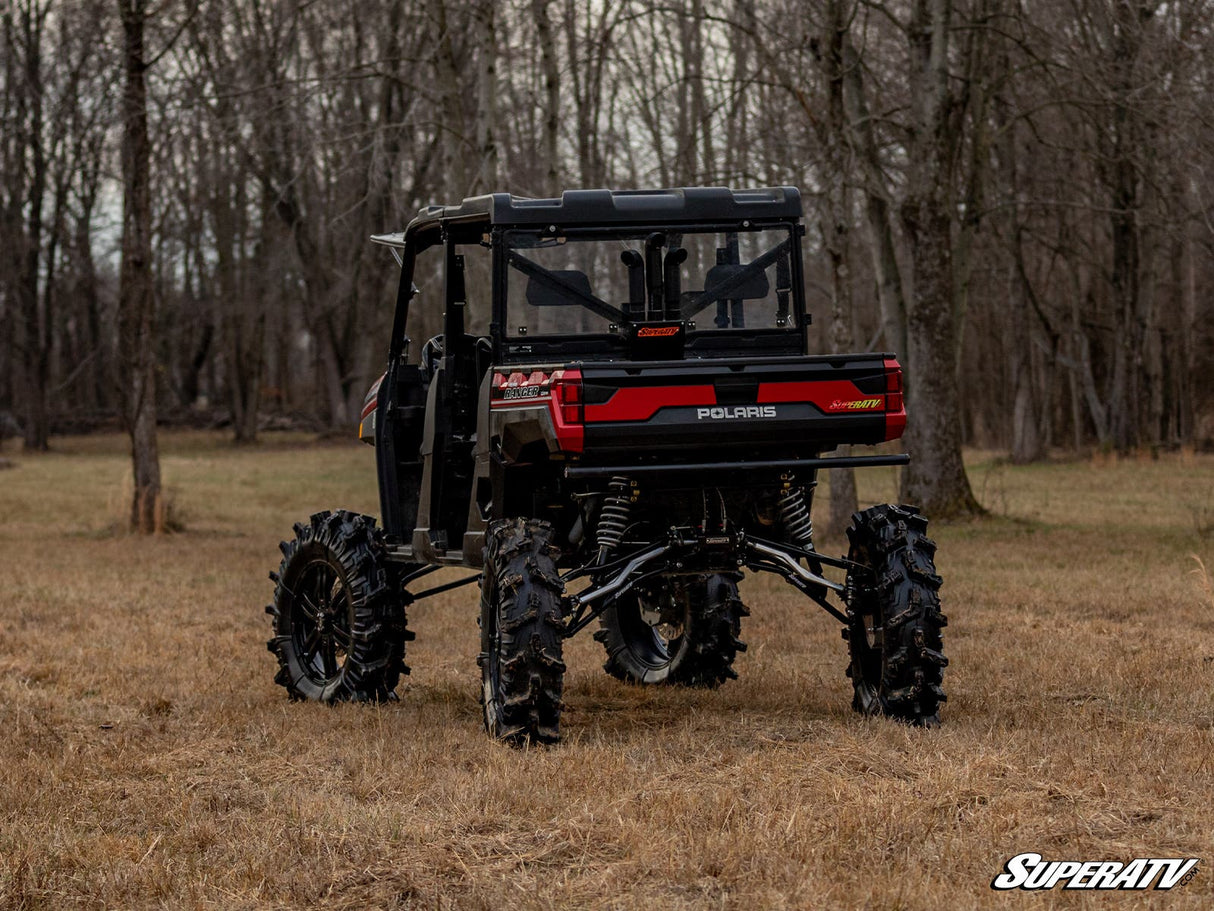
(1013, 196)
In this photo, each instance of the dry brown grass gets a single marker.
(149, 761)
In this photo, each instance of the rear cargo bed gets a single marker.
(783, 407)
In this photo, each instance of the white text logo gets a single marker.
(1031, 871)
(742, 411)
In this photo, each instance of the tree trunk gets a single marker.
(935, 480)
(447, 70)
(89, 299)
(1126, 138)
(736, 150)
(246, 346)
(49, 322)
(487, 89)
(1028, 442)
(1085, 380)
(552, 95)
(136, 301)
(586, 67)
(862, 137)
(33, 355)
(836, 238)
(1186, 289)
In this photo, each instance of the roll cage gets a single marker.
(586, 214)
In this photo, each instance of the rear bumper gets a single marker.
(706, 474)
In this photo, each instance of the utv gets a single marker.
(617, 418)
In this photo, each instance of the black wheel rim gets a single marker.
(647, 644)
(866, 667)
(321, 621)
(491, 647)
(492, 681)
(868, 657)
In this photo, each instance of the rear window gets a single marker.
(717, 281)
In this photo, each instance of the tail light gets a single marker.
(568, 409)
(366, 421)
(567, 393)
(560, 391)
(893, 386)
(895, 407)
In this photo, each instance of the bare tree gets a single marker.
(936, 478)
(136, 299)
(836, 223)
(28, 169)
(552, 97)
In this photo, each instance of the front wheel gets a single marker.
(897, 660)
(339, 628)
(522, 633)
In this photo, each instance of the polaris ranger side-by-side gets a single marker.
(630, 423)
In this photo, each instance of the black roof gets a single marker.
(604, 207)
(609, 207)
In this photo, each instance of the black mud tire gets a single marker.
(522, 633)
(338, 621)
(702, 655)
(897, 650)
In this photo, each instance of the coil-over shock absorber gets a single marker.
(613, 517)
(795, 503)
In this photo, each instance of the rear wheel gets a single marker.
(897, 661)
(522, 633)
(339, 627)
(683, 631)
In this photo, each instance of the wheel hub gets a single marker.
(659, 612)
(669, 631)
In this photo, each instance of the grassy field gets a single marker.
(147, 759)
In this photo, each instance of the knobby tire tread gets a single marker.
(900, 677)
(522, 633)
(353, 547)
